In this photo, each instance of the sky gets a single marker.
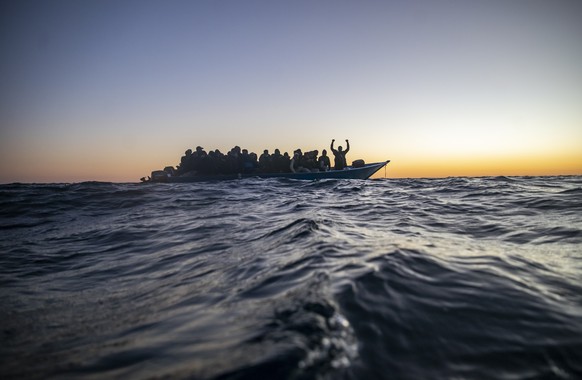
(111, 90)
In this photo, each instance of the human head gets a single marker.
(339, 148)
(324, 152)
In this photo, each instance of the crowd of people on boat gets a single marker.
(237, 160)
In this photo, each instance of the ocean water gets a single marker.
(457, 278)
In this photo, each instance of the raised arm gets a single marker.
(347, 146)
(331, 146)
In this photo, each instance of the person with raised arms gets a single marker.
(340, 155)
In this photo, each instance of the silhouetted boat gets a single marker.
(363, 172)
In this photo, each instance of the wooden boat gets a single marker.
(363, 172)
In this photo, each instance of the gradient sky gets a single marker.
(110, 90)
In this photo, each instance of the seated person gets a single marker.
(323, 161)
(297, 164)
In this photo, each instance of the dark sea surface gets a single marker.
(457, 278)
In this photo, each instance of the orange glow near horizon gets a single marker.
(120, 166)
(485, 166)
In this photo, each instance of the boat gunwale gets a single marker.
(349, 172)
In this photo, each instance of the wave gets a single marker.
(406, 278)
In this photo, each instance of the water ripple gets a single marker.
(399, 278)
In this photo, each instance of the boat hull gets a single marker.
(363, 172)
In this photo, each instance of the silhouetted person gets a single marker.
(285, 163)
(253, 159)
(233, 161)
(249, 161)
(265, 161)
(297, 163)
(310, 160)
(186, 162)
(323, 161)
(340, 155)
(277, 161)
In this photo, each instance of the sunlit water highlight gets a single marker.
(404, 279)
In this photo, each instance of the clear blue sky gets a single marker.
(110, 90)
